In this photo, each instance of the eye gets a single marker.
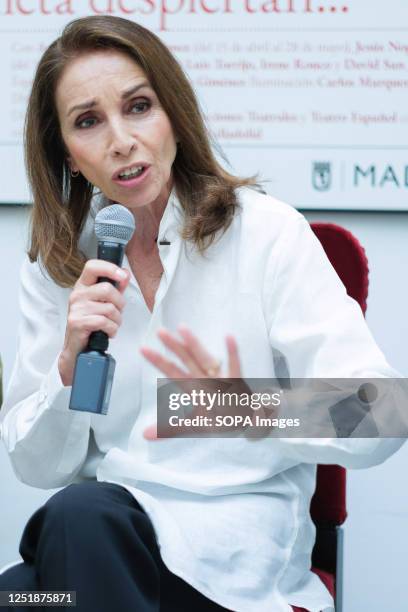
(136, 107)
(139, 106)
(85, 122)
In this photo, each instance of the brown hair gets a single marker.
(61, 203)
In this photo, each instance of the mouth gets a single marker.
(130, 173)
(133, 176)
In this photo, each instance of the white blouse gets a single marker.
(231, 515)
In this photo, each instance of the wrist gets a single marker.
(66, 369)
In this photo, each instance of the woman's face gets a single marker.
(112, 123)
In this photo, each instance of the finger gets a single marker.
(169, 369)
(106, 309)
(103, 292)
(182, 352)
(203, 358)
(122, 285)
(150, 433)
(88, 323)
(95, 268)
(233, 358)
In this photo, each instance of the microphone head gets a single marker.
(114, 223)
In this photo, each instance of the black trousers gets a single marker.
(95, 539)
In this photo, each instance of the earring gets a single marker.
(74, 174)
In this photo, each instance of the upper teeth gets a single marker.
(132, 171)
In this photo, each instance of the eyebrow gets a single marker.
(91, 103)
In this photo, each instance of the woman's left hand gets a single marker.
(198, 362)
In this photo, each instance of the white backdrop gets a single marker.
(304, 88)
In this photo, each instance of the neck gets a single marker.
(147, 220)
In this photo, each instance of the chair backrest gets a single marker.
(348, 258)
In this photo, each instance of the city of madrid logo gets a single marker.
(321, 176)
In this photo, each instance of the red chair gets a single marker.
(328, 505)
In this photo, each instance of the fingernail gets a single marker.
(121, 273)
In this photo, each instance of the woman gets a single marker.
(216, 273)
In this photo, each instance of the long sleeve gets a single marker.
(322, 333)
(46, 441)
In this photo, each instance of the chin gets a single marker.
(132, 202)
(146, 200)
(128, 199)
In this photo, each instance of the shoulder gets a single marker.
(36, 288)
(34, 272)
(264, 206)
(265, 215)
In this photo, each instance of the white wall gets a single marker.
(376, 531)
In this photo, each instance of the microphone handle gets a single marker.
(113, 252)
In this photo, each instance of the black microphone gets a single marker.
(94, 368)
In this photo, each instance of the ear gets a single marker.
(73, 167)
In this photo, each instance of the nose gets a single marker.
(122, 141)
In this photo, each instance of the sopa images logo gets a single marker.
(321, 176)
